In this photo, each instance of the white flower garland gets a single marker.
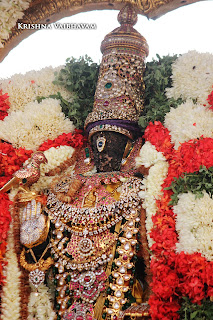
(11, 293)
(194, 224)
(153, 182)
(189, 121)
(10, 12)
(148, 156)
(40, 306)
(192, 77)
(23, 89)
(35, 125)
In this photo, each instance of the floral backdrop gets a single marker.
(178, 153)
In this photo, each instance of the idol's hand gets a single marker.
(34, 224)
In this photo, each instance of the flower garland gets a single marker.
(11, 159)
(4, 226)
(150, 157)
(194, 224)
(25, 88)
(11, 290)
(10, 12)
(176, 275)
(197, 122)
(4, 105)
(192, 76)
(74, 139)
(179, 269)
(32, 130)
(210, 100)
(29, 129)
(40, 305)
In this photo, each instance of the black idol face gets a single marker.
(108, 148)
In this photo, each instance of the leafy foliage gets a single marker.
(157, 78)
(79, 76)
(193, 311)
(195, 182)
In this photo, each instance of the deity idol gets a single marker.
(88, 242)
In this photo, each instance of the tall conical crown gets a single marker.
(120, 88)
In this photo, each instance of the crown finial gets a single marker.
(128, 15)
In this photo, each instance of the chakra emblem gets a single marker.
(101, 143)
(36, 277)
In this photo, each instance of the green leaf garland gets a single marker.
(79, 76)
(157, 78)
(195, 182)
(194, 311)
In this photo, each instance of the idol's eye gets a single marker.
(101, 143)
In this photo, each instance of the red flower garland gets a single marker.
(5, 219)
(11, 160)
(176, 275)
(4, 105)
(210, 100)
(74, 139)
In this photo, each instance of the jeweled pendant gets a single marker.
(36, 277)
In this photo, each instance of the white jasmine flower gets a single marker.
(192, 77)
(153, 185)
(194, 224)
(189, 121)
(35, 125)
(40, 306)
(10, 297)
(24, 88)
(148, 156)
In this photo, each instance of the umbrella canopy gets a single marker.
(48, 11)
